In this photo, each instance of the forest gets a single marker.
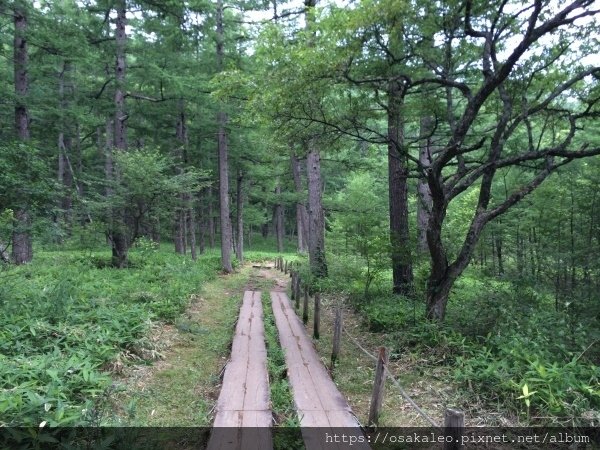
(429, 166)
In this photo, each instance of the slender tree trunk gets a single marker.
(532, 252)
(179, 227)
(65, 172)
(240, 217)
(108, 177)
(499, 255)
(79, 182)
(108, 162)
(301, 213)
(520, 252)
(316, 218)
(279, 219)
(210, 220)
(119, 239)
(22, 248)
(493, 246)
(191, 228)
(572, 236)
(424, 195)
(202, 235)
(226, 237)
(398, 193)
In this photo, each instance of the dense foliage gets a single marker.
(74, 320)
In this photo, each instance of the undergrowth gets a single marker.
(503, 341)
(67, 319)
(287, 435)
(282, 400)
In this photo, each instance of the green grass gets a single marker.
(181, 391)
(282, 400)
(67, 317)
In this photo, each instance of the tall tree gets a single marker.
(223, 153)
(516, 86)
(423, 194)
(118, 235)
(22, 247)
(398, 171)
(316, 216)
(301, 213)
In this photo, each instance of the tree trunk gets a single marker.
(120, 135)
(240, 218)
(191, 227)
(224, 195)
(301, 214)
(178, 227)
(180, 217)
(22, 248)
(493, 246)
(572, 235)
(202, 235)
(316, 218)
(210, 220)
(499, 255)
(423, 193)
(223, 157)
(443, 275)
(65, 173)
(279, 219)
(520, 252)
(119, 239)
(398, 193)
(79, 181)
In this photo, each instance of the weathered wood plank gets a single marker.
(244, 397)
(318, 401)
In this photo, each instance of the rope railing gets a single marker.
(395, 381)
(381, 360)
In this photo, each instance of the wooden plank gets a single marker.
(244, 397)
(318, 401)
(253, 433)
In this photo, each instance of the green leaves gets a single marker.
(62, 330)
(526, 395)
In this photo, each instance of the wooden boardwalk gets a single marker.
(244, 399)
(319, 404)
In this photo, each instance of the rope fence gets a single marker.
(453, 419)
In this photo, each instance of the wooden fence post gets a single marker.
(305, 306)
(454, 425)
(317, 316)
(295, 285)
(297, 281)
(337, 336)
(293, 296)
(378, 386)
